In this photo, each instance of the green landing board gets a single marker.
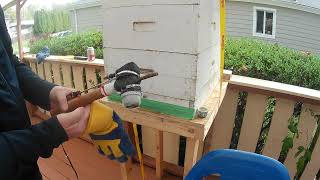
(161, 107)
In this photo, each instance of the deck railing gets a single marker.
(259, 116)
(273, 119)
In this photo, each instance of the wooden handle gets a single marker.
(81, 101)
(149, 75)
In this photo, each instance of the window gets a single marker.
(264, 22)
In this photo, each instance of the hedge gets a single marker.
(75, 44)
(259, 59)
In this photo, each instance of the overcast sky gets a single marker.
(40, 3)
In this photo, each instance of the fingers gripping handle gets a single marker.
(81, 101)
(86, 99)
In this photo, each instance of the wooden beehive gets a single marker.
(178, 38)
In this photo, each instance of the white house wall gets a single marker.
(295, 29)
(88, 18)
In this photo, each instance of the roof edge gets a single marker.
(75, 6)
(285, 4)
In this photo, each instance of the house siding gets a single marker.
(295, 29)
(89, 18)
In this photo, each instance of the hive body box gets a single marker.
(178, 38)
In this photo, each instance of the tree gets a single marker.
(50, 21)
(28, 11)
(19, 5)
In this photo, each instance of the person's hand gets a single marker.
(58, 98)
(75, 122)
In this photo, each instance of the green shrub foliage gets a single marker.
(244, 56)
(258, 59)
(75, 44)
(50, 21)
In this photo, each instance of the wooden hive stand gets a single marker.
(195, 132)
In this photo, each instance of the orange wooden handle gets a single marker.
(81, 101)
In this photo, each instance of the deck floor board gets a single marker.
(89, 164)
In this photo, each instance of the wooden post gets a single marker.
(19, 38)
(129, 128)
(192, 150)
(200, 150)
(159, 154)
(19, 5)
(127, 167)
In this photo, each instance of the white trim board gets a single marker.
(85, 5)
(284, 4)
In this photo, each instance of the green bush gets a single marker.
(258, 59)
(75, 44)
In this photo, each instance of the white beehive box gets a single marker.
(178, 38)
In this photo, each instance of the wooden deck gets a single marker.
(88, 164)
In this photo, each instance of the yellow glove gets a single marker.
(108, 134)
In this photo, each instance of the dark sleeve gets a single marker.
(4, 35)
(34, 89)
(26, 146)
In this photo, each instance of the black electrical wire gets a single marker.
(66, 154)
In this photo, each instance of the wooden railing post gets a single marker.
(279, 127)
(221, 131)
(306, 127)
(252, 122)
(313, 166)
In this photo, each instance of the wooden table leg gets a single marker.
(159, 154)
(200, 150)
(129, 128)
(192, 150)
(127, 167)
